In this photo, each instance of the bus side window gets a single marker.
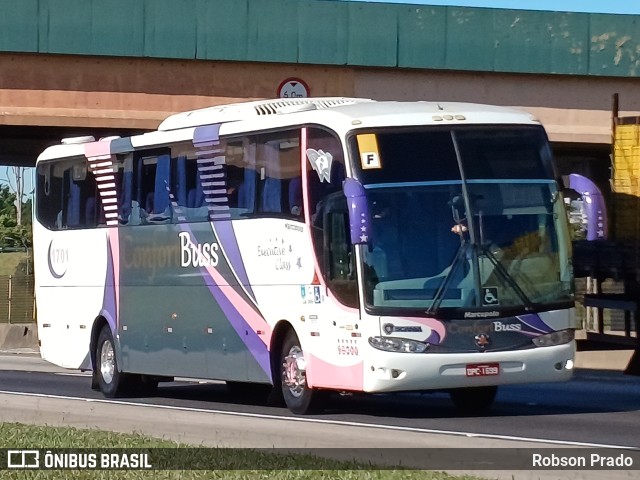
(319, 186)
(339, 261)
(150, 202)
(279, 170)
(68, 192)
(329, 218)
(49, 200)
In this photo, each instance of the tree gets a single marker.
(15, 213)
(13, 234)
(16, 185)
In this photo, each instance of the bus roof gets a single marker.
(364, 111)
(340, 113)
(246, 110)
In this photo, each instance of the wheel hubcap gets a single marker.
(293, 371)
(107, 362)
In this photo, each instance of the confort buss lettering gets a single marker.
(189, 254)
(478, 327)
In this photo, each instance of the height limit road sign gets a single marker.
(293, 88)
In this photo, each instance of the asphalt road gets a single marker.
(594, 409)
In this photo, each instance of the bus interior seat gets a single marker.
(295, 196)
(247, 191)
(125, 201)
(271, 200)
(196, 209)
(195, 198)
(90, 211)
(73, 205)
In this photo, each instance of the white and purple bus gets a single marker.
(309, 245)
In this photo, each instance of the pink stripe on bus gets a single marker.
(97, 149)
(327, 375)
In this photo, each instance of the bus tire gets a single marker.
(298, 397)
(112, 382)
(473, 399)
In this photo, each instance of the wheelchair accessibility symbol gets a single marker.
(490, 296)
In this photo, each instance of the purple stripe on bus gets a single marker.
(433, 338)
(534, 321)
(254, 343)
(109, 298)
(207, 135)
(227, 238)
(121, 145)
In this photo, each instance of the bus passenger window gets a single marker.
(152, 187)
(279, 170)
(67, 197)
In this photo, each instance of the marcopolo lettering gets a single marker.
(481, 314)
(198, 254)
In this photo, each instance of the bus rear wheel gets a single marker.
(111, 381)
(473, 399)
(298, 397)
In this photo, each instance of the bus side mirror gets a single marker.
(359, 216)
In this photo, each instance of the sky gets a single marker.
(588, 6)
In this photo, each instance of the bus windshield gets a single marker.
(462, 218)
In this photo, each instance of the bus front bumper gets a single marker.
(395, 372)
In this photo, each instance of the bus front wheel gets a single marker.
(111, 381)
(473, 399)
(298, 397)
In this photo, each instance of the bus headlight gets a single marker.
(392, 344)
(554, 338)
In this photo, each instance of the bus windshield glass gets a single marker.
(462, 218)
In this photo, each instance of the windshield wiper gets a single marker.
(444, 285)
(502, 272)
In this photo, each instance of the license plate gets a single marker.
(483, 369)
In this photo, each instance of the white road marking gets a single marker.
(328, 422)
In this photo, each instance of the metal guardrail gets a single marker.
(17, 300)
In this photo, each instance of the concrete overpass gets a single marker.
(104, 66)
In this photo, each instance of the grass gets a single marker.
(272, 466)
